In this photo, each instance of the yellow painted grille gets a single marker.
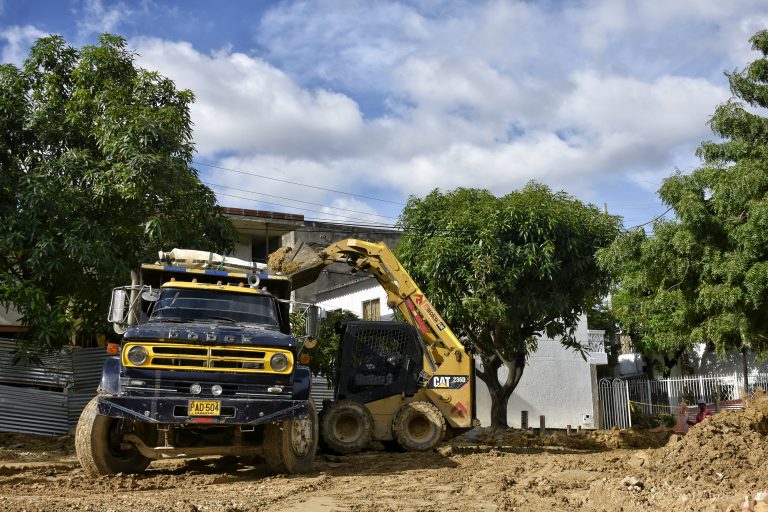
(215, 358)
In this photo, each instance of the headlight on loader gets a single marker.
(278, 362)
(137, 355)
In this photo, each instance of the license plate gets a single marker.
(204, 408)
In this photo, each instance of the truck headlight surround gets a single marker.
(278, 362)
(137, 355)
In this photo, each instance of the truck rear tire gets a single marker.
(419, 426)
(290, 446)
(98, 443)
(347, 427)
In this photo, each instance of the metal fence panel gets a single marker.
(55, 371)
(613, 394)
(665, 396)
(86, 366)
(320, 391)
(33, 411)
(76, 402)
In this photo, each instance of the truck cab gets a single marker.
(207, 365)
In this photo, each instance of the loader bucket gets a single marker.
(301, 264)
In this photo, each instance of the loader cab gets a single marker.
(377, 360)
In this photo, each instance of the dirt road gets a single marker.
(712, 468)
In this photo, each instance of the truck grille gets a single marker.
(217, 358)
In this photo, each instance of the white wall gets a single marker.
(243, 248)
(354, 301)
(9, 316)
(556, 383)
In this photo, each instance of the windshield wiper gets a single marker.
(225, 318)
(172, 319)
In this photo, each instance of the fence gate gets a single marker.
(614, 402)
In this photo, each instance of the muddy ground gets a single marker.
(713, 467)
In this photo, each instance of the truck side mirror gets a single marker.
(313, 322)
(151, 295)
(117, 306)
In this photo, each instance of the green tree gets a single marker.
(95, 177)
(703, 277)
(504, 270)
(323, 357)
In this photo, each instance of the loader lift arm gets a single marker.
(379, 261)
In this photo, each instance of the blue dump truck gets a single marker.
(207, 365)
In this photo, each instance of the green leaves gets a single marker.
(503, 269)
(94, 179)
(704, 276)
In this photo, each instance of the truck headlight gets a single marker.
(278, 362)
(137, 355)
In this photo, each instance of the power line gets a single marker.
(298, 184)
(285, 206)
(650, 221)
(295, 200)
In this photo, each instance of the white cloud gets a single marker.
(246, 105)
(98, 18)
(18, 40)
(461, 94)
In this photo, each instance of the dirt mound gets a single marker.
(583, 440)
(723, 447)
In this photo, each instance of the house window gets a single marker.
(371, 310)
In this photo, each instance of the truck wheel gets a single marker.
(419, 426)
(290, 446)
(347, 427)
(97, 443)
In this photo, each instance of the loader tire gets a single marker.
(97, 443)
(419, 426)
(346, 427)
(290, 446)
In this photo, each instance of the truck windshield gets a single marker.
(189, 305)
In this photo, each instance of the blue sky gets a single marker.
(603, 99)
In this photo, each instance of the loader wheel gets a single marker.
(419, 426)
(290, 446)
(347, 427)
(98, 443)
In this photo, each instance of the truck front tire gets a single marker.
(98, 442)
(347, 427)
(290, 446)
(419, 426)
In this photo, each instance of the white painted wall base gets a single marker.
(556, 383)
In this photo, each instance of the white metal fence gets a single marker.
(663, 396)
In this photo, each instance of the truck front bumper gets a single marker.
(174, 410)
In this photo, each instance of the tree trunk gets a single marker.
(500, 392)
(670, 362)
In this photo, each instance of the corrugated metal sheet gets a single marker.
(73, 373)
(87, 364)
(320, 391)
(33, 411)
(76, 402)
(55, 372)
(70, 367)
